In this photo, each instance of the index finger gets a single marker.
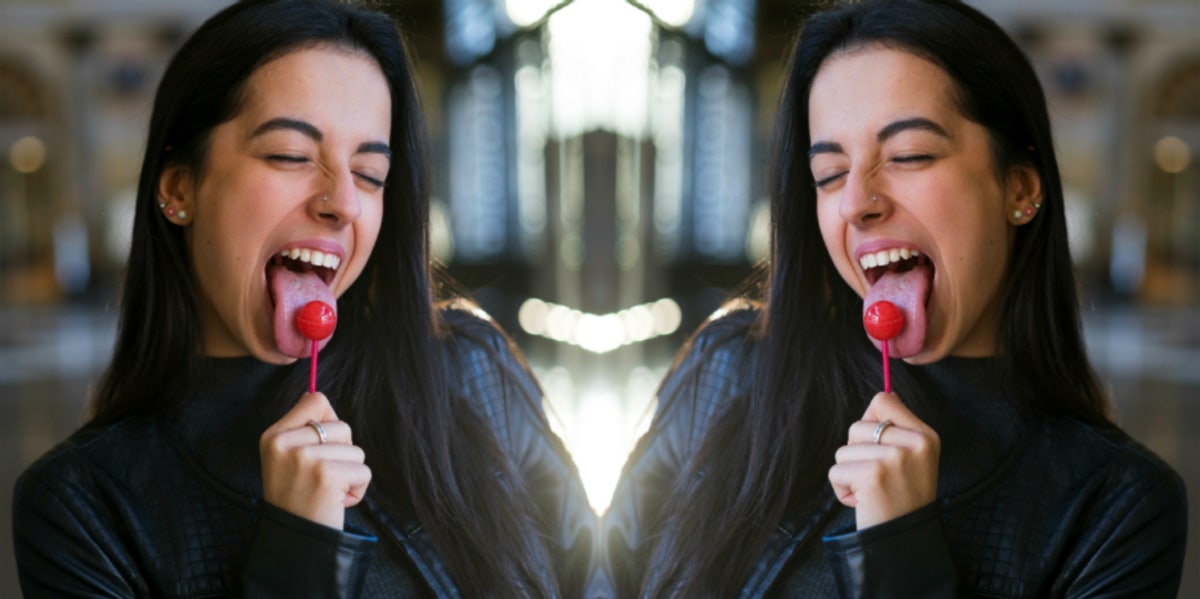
(312, 406)
(887, 406)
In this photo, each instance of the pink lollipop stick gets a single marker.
(883, 320)
(887, 370)
(316, 321)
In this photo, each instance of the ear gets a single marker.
(1022, 194)
(175, 194)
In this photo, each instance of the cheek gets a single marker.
(233, 222)
(369, 225)
(976, 254)
(833, 234)
(830, 224)
(225, 236)
(219, 267)
(366, 233)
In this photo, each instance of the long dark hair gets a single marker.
(432, 456)
(816, 370)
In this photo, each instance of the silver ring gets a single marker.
(878, 430)
(316, 426)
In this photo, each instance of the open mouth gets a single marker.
(295, 277)
(894, 260)
(904, 277)
(306, 260)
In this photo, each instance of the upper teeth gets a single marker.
(314, 257)
(885, 257)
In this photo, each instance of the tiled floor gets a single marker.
(50, 357)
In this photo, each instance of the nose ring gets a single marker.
(325, 198)
(874, 198)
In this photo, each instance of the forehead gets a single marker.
(871, 86)
(307, 74)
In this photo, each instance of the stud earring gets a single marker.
(1029, 211)
(170, 210)
(182, 214)
(1018, 214)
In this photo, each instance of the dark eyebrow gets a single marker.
(376, 147)
(913, 123)
(285, 123)
(893, 129)
(823, 147)
(310, 131)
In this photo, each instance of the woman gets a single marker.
(285, 164)
(913, 163)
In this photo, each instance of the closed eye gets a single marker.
(827, 180)
(913, 158)
(372, 181)
(287, 158)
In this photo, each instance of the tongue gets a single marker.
(908, 291)
(292, 290)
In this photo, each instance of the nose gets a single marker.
(339, 203)
(861, 204)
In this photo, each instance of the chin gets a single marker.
(931, 351)
(923, 357)
(270, 355)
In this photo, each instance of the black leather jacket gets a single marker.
(171, 505)
(1027, 505)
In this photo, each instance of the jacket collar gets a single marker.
(417, 545)
(787, 538)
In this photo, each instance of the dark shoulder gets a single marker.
(475, 345)
(468, 328)
(712, 370)
(96, 461)
(106, 445)
(717, 358)
(1121, 506)
(486, 368)
(728, 329)
(711, 373)
(1108, 457)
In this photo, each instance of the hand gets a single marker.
(897, 476)
(305, 477)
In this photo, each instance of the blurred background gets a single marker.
(600, 189)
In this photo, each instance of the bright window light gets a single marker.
(675, 13)
(599, 63)
(524, 13)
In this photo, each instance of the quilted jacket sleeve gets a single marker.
(492, 374)
(904, 557)
(1138, 550)
(294, 557)
(711, 372)
(62, 547)
(68, 545)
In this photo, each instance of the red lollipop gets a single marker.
(883, 320)
(316, 321)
